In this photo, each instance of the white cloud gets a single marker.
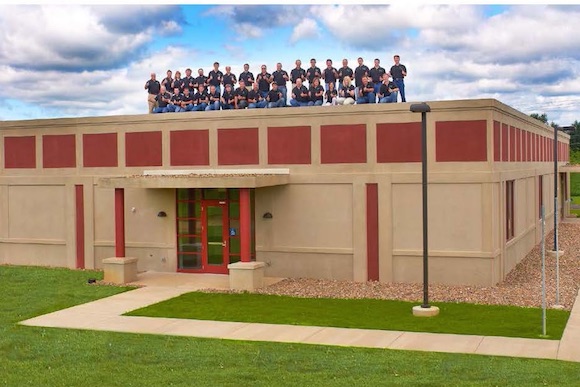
(306, 29)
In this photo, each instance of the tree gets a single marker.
(542, 117)
(575, 137)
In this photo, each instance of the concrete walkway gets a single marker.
(106, 315)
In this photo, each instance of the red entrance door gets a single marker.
(215, 236)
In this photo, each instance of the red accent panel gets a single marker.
(143, 149)
(399, 143)
(59, 151)
(512, 143)
(343, 144)
(119, 222)
(496, 141)
(518, 145)
(461, 140)
(100, 150)
(189, 147)
(238, 146)
(289, 145)
(529, 146)
(245, 225)
(504, 143)
(524, 145)
(20, 152)
(80, 226)
(372, 232)
(534, 147)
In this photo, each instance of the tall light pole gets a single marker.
(424, 310)
(556, 251)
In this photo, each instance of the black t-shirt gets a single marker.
(344, 92)
(213, 97)
(241, 93)
(162, 99)
(366, 89)
(397, 71)
(153, 86)
(297, 73)
(187, 98)
(385, 89)
(188, 82)
(279, 78)
(263, 81)
(247, 77)
(314, 90)
(176, 98)
(359, 73)
(312, 73)
(229, 79)
(344, 72)
(254, 95)
(168, 83)
(228, 97)
(298, 91)
(177, 83)
(330, 94)
(201, 80)
(376, 74)
(274, 95)
(201, 97)
(216, 77)
(330, 75)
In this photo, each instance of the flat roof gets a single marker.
(200, 178)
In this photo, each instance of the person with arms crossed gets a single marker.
(388, 90)
(280, 77)
(153, 87)
(399, 72)
(300, 95)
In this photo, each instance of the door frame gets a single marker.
(206, 267)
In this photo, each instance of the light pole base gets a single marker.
(552, 253)
(431, 311)
(558, 307)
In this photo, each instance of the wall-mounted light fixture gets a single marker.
(267, 215)
(161, 214)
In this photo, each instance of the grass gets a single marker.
(575, 184)
(33, 356)
(575, 200)
(460, 318)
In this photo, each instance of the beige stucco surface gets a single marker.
(318, 224)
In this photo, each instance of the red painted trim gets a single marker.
(205, 266)
(461, 141)
(143, 149)
(245, 225)
(100, 150)
(119, 222)
(518, 144)
(20, 152)
(504, 143)
(343, 143)
(399, 142)
(189, 147)
(238, 146)
(59, 151)
(529, 144)
(80, 226)
(512, 143)
(372, 232)
(289, 145)
(496, 141)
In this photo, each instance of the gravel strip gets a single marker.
(522, 286)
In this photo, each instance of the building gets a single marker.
(322, 192)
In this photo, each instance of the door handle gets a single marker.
(224, 243)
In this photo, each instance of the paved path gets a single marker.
(106, 315)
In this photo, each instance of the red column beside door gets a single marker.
(80, 226)
(245, 226)
(119, 222)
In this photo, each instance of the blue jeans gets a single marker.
(160, 110)
(401, 85)
(284, 92)
(369, 98)
(213, 106)
(258, 105)
(263, 94)
(227, 106)
(390, 98)
(200, 107)
(187, 108)
(279, 103)
(318, 102)
(377, 87)
(295, 103)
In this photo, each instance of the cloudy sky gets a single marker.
(76, 60)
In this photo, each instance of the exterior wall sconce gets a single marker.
(267, 215)
(162, 214)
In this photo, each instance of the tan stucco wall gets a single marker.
(318, 227)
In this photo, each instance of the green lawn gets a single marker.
(32, 356)
(370, 314)
(575, 200)
(575, 184)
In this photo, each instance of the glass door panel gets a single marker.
(215, 236)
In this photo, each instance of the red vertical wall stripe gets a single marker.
(80, 226)
(119, 222)
(372, 232)
(245, 226)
